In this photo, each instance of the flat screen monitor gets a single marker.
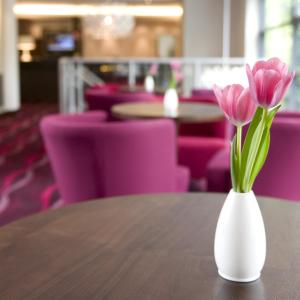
(61, 43)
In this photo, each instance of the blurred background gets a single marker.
(221, 34)
(54, 53)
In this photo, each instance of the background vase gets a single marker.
(149, 84)
(240, 240)
(171, 102)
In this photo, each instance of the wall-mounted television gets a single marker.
(63, 42)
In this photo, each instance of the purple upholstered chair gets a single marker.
(206, 94)
(103, 99)
(110, 87)
(93, 160)
(89, 116)
(196, 152)
(199, 142)
(219, 129)
(280, 174)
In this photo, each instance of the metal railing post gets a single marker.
(131, 73)
(80, 104)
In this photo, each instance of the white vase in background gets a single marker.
(171, 102)
(240, 239)
(149, 84)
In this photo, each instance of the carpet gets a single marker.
(27, 185)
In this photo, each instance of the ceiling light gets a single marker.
(104, 27)
(40, 9)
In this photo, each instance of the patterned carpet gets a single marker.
(26, 181)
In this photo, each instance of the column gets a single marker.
(203, 28)
(9, 57)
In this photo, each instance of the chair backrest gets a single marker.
(104, 100)
(110, 87)
(280, 176)
(92, 160)
(86, 117)
(220, 128)
(288, 114)
(205, 94)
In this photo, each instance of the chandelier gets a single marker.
(113, 25)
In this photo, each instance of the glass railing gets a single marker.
(78, 74)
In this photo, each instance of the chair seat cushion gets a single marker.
(218, 172)
(196, 152)
(183, 179)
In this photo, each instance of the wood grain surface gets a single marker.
(142, 247)
(187, 112)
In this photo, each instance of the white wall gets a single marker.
(203, 28)
(252, 30)
(237, 31)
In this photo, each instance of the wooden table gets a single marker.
(140, 89)
(132, 89)
(142, 247)
(187, 112)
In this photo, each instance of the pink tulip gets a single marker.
(178, 76)
(236, 103)
(175, 65)
(153, 69)
(268, 81)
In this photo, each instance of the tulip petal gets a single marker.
(266, 82)
(276, 64)
(233, 94)
(220, 98)
(252, 86)
(261, 64)
(236, 103)
(282, 88)
(218, 93)
(245, 107)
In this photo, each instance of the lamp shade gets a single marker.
(26, 43)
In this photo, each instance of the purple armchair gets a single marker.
(199, 142)
(219, 128)
(196, 152)
(280, 174)
(98, 99)
(86, 117)
(206, 94)
(93, 160)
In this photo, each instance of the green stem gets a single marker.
(239, 154)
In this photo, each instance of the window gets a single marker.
(280, 36)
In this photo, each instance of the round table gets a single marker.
(132, 89)
(187, 112)
(140, 89)
(142, 247)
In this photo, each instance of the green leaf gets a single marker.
(253, 134)
(248, 139)
(271, 115)
(261, 156)
(233, 164)
(263, 148)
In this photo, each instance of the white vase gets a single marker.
(240, 240)
(149, 84)
(171, 102)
